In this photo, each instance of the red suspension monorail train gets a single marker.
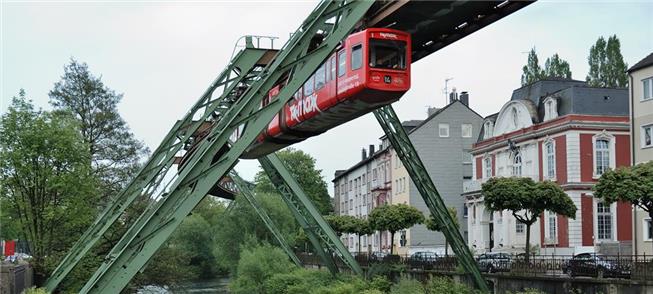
(369, 70)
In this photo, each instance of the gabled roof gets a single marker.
(438, 112)
(648, 60)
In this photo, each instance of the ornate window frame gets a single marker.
(545, 162)
(550, 108)
(612, 160)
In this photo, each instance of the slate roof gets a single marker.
(573, 97)
(648, 60)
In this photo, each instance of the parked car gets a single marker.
(596, 265)
(422, 259)
(494, 262)
(378, 256)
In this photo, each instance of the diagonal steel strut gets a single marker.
(398, 137)
(251, 199)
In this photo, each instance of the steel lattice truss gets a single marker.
(233, 102)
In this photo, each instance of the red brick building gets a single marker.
(563, 131)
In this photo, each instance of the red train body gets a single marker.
(371, 69)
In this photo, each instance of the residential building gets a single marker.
(559, 130)
(443, 141)
(359, 189)
(641, 130)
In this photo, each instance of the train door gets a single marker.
(331, 78)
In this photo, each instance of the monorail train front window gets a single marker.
(387, 54)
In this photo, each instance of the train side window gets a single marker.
(356, 57)
(308, 86)
(319, 77)
(333, 68)
(341, 63)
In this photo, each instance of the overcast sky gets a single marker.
(163, 54)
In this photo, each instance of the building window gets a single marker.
(465, 211)
(550, 108)
(487, 130)
(601, 156)
(467, 157)
(648, 230)
(444, 130)
(516, 165)
(647, 136)
(487, 163)
(603, 221)
(647, 89)
(466, 130)
(553, 226)
(520, 227)
(550, 160)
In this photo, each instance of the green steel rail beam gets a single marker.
(295, 197)
(201, 172)
(251, 199)
(153, 171)
(401, 143)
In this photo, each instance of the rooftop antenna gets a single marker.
(446, 90)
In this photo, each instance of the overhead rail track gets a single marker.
(232, 105)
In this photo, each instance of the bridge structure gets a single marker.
(232, 103)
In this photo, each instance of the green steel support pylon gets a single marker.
(149, 178)
(401, 143)
(298, 60)
(244, 191)
(302, 205)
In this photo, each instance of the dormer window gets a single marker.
(487, 130)
(550, 108)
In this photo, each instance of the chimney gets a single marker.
(464, 98)
(453, 96)
(363, 154)
(431, 111)
(371, 149)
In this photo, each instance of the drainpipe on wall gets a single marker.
(632, 154)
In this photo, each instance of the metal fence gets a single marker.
(635, 267)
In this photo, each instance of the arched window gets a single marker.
(550, 108)
(516, 165)
(487, 130)
(602, 156)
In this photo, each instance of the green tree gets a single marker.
(531, 72)
(302, 168)
(434, 225)
(242, 227)
(630, 184)
(362, 228)
(607, 66)
(257, 265)
(556, 67)
(45, 180)
(393, 218)
(114, 152)
(527, 200)
(342, 223)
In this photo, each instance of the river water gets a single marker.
(217, 285)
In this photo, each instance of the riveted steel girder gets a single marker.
(316, 225)
(398, 137)
(203, 169)
(246, 193)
